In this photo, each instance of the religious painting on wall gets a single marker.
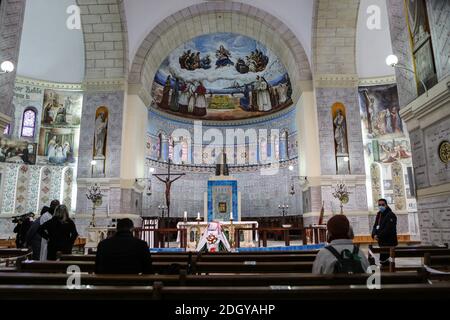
(222, 76)
(61, 108)
(386, 141)
(58, 146)
(17, 151)
(379, 110)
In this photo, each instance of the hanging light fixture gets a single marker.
(7, 67)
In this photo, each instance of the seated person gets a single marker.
(341, 256)
(123, 253)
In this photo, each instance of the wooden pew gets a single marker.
(209, 280)
(159, 292)
(407, 252)
(85, 266)
(437, 261)
(13, 252)
(158, 267)
(211, 257)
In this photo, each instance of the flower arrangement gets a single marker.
(341, 193)
(95, 195)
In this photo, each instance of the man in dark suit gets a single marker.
(122, 253)
(385, 229)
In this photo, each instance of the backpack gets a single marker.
(347, 262)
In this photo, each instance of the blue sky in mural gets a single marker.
(227, 75)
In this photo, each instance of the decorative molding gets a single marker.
(434, 191)
(376, 81)
(427, 104)
(235, 169)
(231, 123)
(105, 85)
(336, 80)
(48, 84)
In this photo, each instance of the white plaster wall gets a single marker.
(373, 46)
(49, 50)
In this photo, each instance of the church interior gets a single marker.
(229, 133)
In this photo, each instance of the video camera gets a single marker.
(17, 219)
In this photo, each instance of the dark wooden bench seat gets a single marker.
(211, 257)
(210, 280)
(159, 292)
(199, 267)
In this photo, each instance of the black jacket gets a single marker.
(60, 236)
(123, 254)
(387, 231)
(21, 229)
(34, 239)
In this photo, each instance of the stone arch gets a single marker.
(105, 39)
(334, 38)
(217, 17)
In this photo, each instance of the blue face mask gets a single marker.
(381, 208)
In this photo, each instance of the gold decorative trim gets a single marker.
(336, 80)
(444, 152)
(376, 81)
(48, 84)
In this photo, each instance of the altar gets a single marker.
(195, 230)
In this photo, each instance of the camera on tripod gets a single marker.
(21, 218)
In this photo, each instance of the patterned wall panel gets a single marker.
(45, 187)
(398, 183)
(56, 183)
(67, 187)
(33, 189)
(22, 189)
(9, 188)
(375, 178)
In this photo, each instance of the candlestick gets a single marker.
(198, 215)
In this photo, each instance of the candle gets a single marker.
(231, 215)
(185, 215)
(198, 215)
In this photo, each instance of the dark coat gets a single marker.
(21, 229)
(123, 254)
(34, 239)
(60, 236)
(387, 231)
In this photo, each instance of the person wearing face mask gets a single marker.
(385, 229)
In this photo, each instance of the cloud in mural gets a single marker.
(223, 77)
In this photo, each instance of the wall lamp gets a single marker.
(392, 61)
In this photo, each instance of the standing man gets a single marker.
(385, 229)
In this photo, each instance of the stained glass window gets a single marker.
(29, 122)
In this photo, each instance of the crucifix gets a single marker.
(168, 182)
